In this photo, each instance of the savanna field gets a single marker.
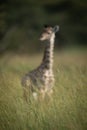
(67, 110)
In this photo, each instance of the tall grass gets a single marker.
(66, 111)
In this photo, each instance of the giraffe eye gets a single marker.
(48, 33)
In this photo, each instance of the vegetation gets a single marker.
(22, 20)
(68, 108)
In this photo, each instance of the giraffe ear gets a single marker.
(56, 28)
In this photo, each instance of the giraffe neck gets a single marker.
(47, 61)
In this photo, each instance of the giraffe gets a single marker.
(41, 79)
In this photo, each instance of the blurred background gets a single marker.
(21, 22)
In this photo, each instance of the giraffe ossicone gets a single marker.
(41, 79)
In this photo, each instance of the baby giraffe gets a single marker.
(41, 80)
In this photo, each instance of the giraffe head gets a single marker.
(49, 32)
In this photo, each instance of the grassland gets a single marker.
(68, 108)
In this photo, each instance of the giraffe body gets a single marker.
(42, 78)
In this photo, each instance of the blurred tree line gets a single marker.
(22, 20)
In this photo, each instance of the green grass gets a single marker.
(66, 111)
